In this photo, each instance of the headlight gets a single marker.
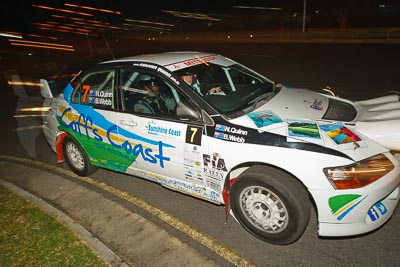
(359, 174)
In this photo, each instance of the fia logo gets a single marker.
(214, 161)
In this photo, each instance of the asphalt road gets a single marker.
(352, 70)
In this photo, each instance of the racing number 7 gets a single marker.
(194, 131)
(85, 88)
(193, 135)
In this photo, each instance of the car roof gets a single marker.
(165, 58)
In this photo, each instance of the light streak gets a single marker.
(190, 15)
(63, 10)
(43, 46)
(258, 7)
(28, 116)
(41, 109)
(11, 35)
(41, 43)
(93, 8)
(70, 31)
(150, 22)
(81, 19)
(23, 83)
(146, 27)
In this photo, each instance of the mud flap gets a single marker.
(59, 150)
(225, 196)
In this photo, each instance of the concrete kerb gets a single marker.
(104, 252)
(118, 236)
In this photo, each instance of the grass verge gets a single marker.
(30, 237)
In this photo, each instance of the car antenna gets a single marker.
(108, 45)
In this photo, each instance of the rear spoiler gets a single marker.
(45, 89)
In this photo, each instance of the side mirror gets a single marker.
(186, 112)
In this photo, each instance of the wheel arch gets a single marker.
(61, 135)
(235, 172)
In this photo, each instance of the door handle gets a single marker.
(128, 123)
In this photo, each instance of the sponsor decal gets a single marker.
(83, 127)
(214, 166)
(99, 97)
(199, 60)
(229, 137)
(196, 190)
(341, 205)
(192, 156)
(145, 65)
(214, 185)
(189, 161)
(317, 105)
(192, 62)
(264, 118)
(159, 69)
(303, 129)
(377, 211)
(339, 133)
(194, 175)
(153, 129)
(100, 101)
(191, 149)
(229, 129)
(168, 74)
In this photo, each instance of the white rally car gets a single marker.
(207, 126)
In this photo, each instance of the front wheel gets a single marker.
(270, 204)
(76, 158)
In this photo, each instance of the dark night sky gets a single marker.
(18, 14)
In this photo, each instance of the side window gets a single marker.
(96, 89)
(146, 93)
(150, 95)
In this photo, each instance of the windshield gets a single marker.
(229, 89)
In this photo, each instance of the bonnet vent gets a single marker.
(340, 111)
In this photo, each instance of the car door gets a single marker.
(90, 115)
(162, 147)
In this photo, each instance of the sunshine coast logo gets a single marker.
(343, 204)
(154, 129)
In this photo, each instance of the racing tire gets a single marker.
(76, 158)
(271, 205)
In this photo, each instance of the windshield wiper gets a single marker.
(254, 102)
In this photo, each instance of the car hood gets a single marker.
(301, 116)
(297, 103)
(377, 118)
(303, 103)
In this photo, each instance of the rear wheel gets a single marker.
(270, 204)
(76, 157)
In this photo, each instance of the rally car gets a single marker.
(207, 126)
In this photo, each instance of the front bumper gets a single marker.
(357, 211)
(377, 215)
